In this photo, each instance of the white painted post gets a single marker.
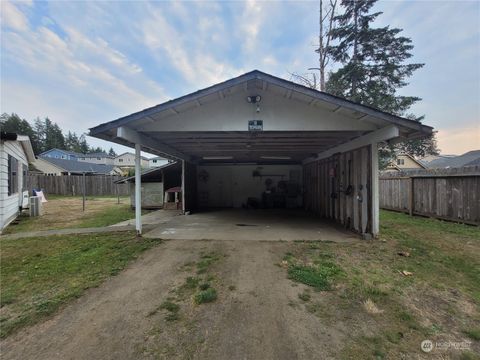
(138, 191)
(375, 190)
(183, 187)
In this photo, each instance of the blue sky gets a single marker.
(84, 63)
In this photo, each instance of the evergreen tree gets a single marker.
(13, 123)
(84, 148)
(112, 152)
(374, 67)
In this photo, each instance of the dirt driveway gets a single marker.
(254, 317)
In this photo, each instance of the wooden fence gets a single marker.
(449, 194)
(95, 185)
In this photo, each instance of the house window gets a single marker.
(120, 160)
(400, 161)
(99, 158)
(154, 161)
(12, 175)
(83, 158)
(64, 157)
(25, 177)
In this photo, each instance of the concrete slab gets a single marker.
(245, 225)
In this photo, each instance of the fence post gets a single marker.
(410, 196)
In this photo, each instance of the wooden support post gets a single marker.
(138, 190)
(410, 196)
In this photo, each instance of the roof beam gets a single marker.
(135, 137)
(374, 137)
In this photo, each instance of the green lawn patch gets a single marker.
(205, 296)
(40, 275)
(319, 274)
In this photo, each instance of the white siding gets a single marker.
(9, 205)
(96, 160)
(128, 159)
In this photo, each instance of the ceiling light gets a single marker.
(276, 157)
(217, 157)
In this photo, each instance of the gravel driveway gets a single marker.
(254, 317)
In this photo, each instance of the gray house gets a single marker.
(255, 135)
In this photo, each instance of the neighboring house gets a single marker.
(97, 158)
(157, 161)
(470, 158)
(128, 160)
(49, 166)
(259, 139)
(15, 154)
(60, 154)
(405, 162)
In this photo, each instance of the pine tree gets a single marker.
(112, 152)
(374, 67)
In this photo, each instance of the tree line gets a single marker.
(369, 65)
(46, 134)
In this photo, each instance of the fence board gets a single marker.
(95, 185)
(450, 194)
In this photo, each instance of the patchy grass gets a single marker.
(206, 260)
(319, 272)
(62, 212)
(204, 296)
(40, 275)
(473, 334)
(387, 313)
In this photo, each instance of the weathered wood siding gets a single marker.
(96, 185)
(190, 191)
(10, 204)
(339, 188)
(450, 194)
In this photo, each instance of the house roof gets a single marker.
(470, 158)
(129, 153)
(256, 74)
(61, 150)
(24, 142)
(363, 119)
(80, 167)
(151, 174)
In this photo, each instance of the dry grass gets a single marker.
(67, 212)
(371, 308)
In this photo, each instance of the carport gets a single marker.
(261, 141)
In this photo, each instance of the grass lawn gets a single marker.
(390, 313)
(40, 275)
(62, 212)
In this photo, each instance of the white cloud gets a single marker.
(12, 17)
(459, 140)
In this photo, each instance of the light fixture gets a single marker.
(276, 157)
(217, 157)
(254, 99)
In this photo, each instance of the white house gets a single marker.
(96, 158)
(128, 160)
(157, 162)
(15, 154)
(259, 138)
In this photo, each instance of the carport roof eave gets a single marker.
(414, 128)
